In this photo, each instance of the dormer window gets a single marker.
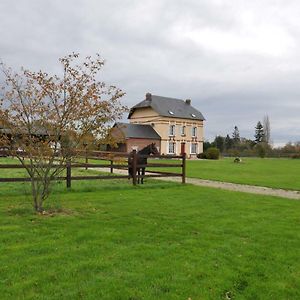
(170, 112)
(193, 115)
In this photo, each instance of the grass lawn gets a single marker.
(270, 172)
(157, 241)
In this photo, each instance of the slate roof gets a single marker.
(137, 131)
(169, 107)
(36, 130)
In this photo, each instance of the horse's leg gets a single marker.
(143, 173)
(129, 173)
(139, 173)
(144, 169)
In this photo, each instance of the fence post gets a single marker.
(134, 164)
(86, 158)
(111, 166)
(183, 167)
(69, 173)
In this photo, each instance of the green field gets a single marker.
(111, 240)
(270, 172)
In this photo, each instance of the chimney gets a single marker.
(188, 101)
(148, 96)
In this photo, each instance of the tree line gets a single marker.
(261, 145)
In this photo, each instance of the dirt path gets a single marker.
(231, 186)
(240, 187)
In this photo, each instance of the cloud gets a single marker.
(236, 60)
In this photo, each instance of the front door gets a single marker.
(182, 148)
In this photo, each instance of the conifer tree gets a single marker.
(259, 133)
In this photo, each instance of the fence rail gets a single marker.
(114, 164)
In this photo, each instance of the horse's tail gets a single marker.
(130, 167)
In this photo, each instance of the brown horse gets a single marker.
(150, 149)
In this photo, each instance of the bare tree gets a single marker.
(236, 136)
(267, 129)
(45, 118)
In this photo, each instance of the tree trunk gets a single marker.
(39, 194)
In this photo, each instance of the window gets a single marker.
(193, 115)
(194, 148)
(171, 148)
(183, 130)
(172, 130)
(171, 113)
(194, 131)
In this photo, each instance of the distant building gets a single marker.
(134, 136)
(178, 123)
(175, 124)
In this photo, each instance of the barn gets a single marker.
(134, 137)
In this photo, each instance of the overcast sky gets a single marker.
(236, 60)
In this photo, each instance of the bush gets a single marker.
(201, 156)
(296, 155)
(261, 150)
(212, 153)
(233, 152)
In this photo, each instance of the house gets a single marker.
(133, 136)
(177, 122)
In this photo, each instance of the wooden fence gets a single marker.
(114, 161)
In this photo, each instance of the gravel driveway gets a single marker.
(228, 186)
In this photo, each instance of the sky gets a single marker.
(236, 60)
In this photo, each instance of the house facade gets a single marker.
(177, 122)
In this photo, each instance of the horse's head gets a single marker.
(153, 149)
(150, 149)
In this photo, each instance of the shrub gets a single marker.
(261, 150)
(212, 153)
(233, 152)
(201, 155)
(295, 155)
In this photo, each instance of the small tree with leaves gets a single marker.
(220, 143)
(228, 142)
(49, 117)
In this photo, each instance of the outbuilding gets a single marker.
(134, 137)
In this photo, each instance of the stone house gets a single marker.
(177, 122)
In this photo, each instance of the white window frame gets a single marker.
(172, 129)
(196, 148)
(194, 131)
(168, 147)
(183, 130)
